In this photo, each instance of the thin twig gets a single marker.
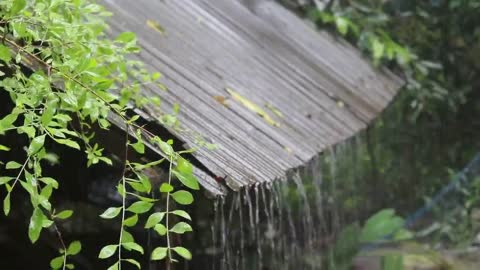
(20, 173)
(60, 238)
(167, 211)
(124, 195)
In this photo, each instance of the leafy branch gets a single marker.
(77, 78)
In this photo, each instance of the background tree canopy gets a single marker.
(433, 127)
(434, 43)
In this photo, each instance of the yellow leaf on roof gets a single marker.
(221, 99)
(274, 110)
(156, 26)
(253, 107)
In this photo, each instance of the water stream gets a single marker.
(289, 223)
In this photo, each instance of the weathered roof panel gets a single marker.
(323, 88)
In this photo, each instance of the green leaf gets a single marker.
(47, 115)
(6, 205)
(181, 228)
(4, 148)
(127, 237)
(188, 179)
(134, 262)
(139, 147)
(36, 144)
(133, 246)
(403, 234)
(156, 76)
(183, 166)
(7, 122)
(5, 53)
(65, 119)
(159, 253)
(5, 179)
(137, 186)
(143, 186)
(30, 131)
(36, 225)
(47, 192)
(165, 147)
(380, 225)
(107, 251)
(160, 229)
(154, 219)
(342, 25)
(46, 223)
(126, 37)
(131, 221)
(145, 182)
(17, 6)
(377, 49)
(57, 263)
(133, 119)
(49, 181)
(185, 253)
(182, 213)
(111, 212)
(69, 143)
(12, 165)
(74, 248)
(183, 197)
(165, 188)
(64, 214)
(146, 199)
(29, 188)
(121, 190)
(43, 201)
(140, 207)
(113, 266)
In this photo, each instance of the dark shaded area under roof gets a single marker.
(264, 86)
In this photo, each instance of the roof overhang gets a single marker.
(260, 83)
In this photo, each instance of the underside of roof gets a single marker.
(267, 89)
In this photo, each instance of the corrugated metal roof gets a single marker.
(315, 89)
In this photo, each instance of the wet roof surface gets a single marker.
(269, 90)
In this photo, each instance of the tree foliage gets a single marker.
(434, 44)
(66, 78)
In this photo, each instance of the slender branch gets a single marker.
(167, 211)
(124, 196)
(20, 173)
(60, 238)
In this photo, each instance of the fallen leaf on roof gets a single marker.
(156, 26)
(162, 86)
(222, 100)
(274, 110)
(253, 107)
